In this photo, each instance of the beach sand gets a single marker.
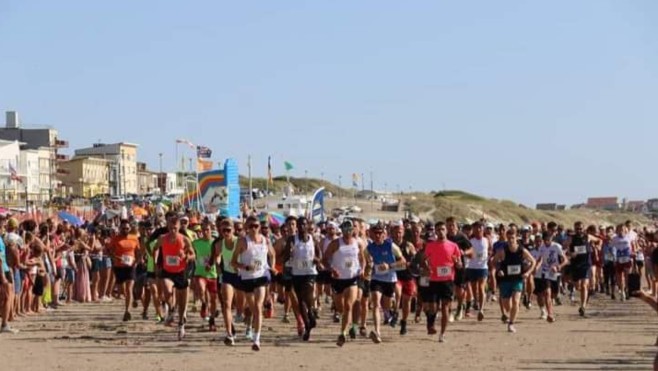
(616, 336)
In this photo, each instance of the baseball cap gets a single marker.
(379, 226)
(347, 224)
(12, 223)
(525, 228)
(397, 224)
(332, 225)
(489, 225)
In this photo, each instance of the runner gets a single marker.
(304, 254)
(460, 274)
(123, 249)
(224, 248)
(324, 281)
(345, 256)
(477, 268)
(609, 259)
(552, 260)
(515, 266)
(580, 248)
(386, 258)
(205, 275)
(624, 247)
(529, 284)
(251, 259)
(442, 259)
(405, 289)
(175, 251)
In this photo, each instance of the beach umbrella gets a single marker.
(272, 218)
(70, 218)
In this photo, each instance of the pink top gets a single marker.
(440, 259)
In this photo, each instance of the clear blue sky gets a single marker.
(525, 100)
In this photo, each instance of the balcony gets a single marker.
(61, 143)
(62, 157)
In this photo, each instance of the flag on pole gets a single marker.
(355, 180)
(186, 142)
(14, 174)
(269, 170)
(203, 152)
(288, 166)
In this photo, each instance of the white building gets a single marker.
(123, 165)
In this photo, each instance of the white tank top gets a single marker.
(346, 260)
(302, 256)
(256, 257)
(325, 243)
(480, 253)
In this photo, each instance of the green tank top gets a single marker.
(203, 249)
(227, 256)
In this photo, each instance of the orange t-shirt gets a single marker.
(123, 249)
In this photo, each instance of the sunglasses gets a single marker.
(254, 226)
(238, 230)
(227, 230)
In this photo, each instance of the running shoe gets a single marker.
(394, 319)
(550, 319)
(229, 341)
(375, 338)
(285, 319)
(248, 334)
(403, 327)
(511, 329)
(211, 325)
(451, 317)
(480, 316)
(341, 340)
(158, 320)
(581, 311)
(6, 329)
(352, 332)
(239, 318)
(442, 338)
(543, 315)
(127, 317)
(336, 318)
(307, 335)
(169, 320)
(504, 318)
(363, 332)
(145, 316)
(256, 346)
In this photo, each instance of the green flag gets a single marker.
(288, 165)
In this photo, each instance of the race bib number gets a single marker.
(203, 261)
(580, 250)
(513, 269)
(172, 261)
(348, 264)
(443, 271)
(424, 281)
(479, 256)
(304, 264)
(127, 260)
(258, 265)
(624, 259)
(380, 269)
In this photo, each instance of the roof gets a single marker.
(602, 201)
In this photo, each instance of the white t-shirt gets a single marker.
(480, 254)
(550, 256)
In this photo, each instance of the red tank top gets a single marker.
(171, 252)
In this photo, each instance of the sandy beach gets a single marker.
(615, 336)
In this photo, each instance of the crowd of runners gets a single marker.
(398, 274)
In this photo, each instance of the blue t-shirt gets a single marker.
(499, 245)
(3, 256)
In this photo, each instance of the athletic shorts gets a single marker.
(123, 274)
(61, 273)
(324, 278)
(303, 282)
(385, 288)
(284, 280)
(623, 267)
(250, 285)
(509, 287)
(338, 286)
(639, 263)
(150, 276)
(438, 292)
(408, 287)
(460, 277)
(581, 272)
(178, 279)
(541, 285)
(211, 284)
(474, 275)
(232, 279)
(364, 285)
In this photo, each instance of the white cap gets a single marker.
(489, 225)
